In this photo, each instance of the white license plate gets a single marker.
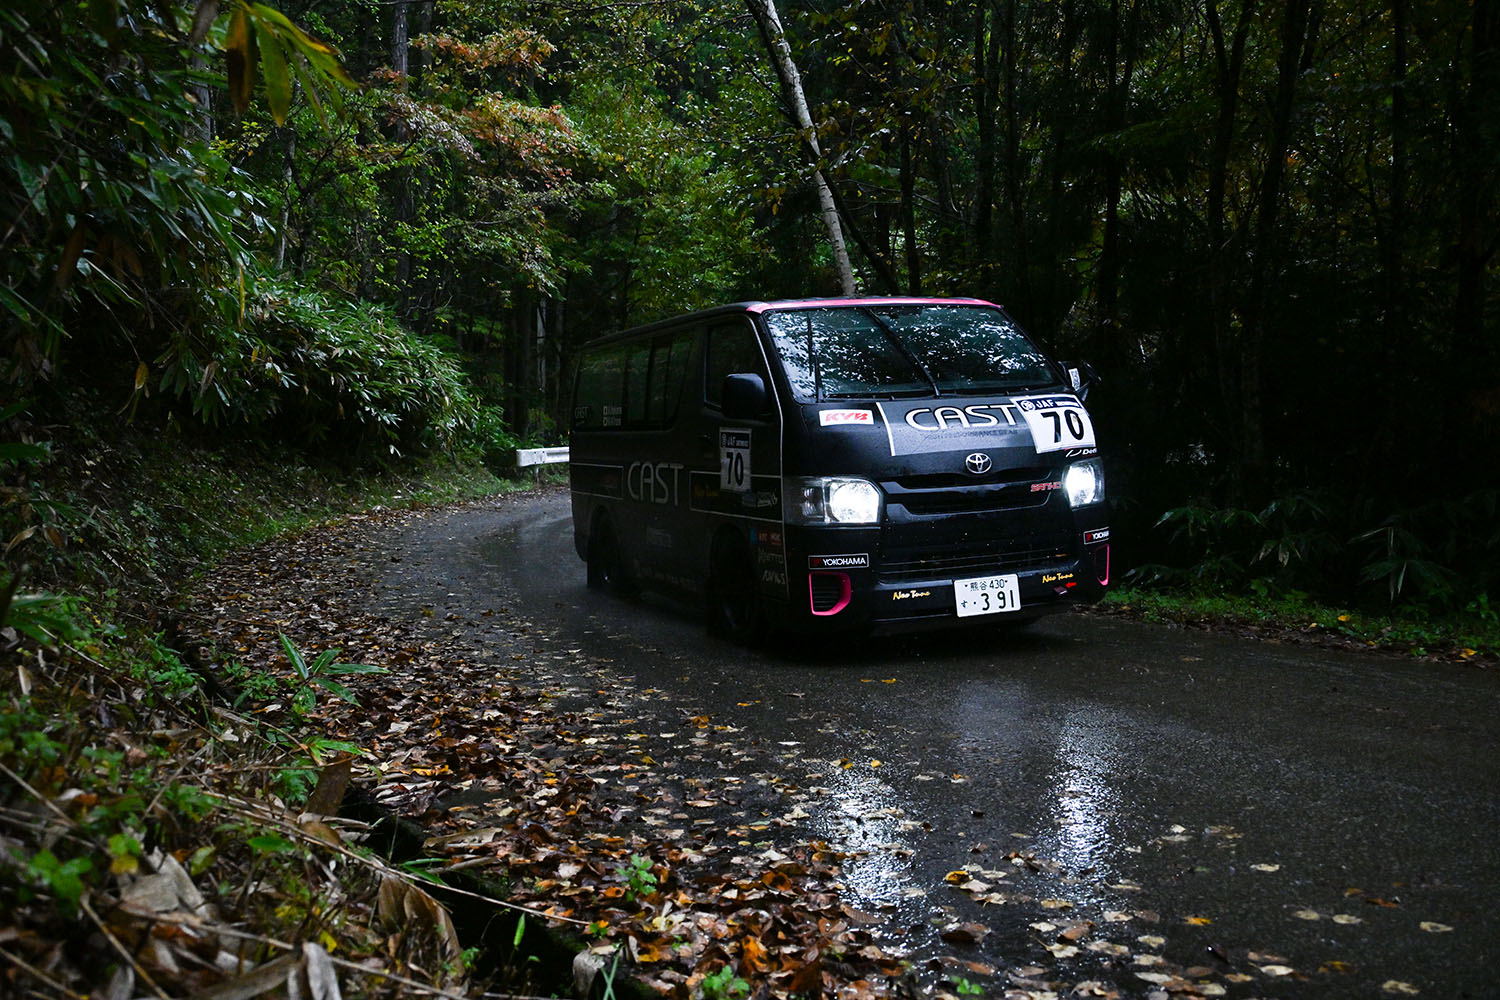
(987, 595)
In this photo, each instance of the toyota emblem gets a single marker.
(977, 463)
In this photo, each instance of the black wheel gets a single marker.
(606, 566)
(733, 606)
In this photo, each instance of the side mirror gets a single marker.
(744, 396)
(1081, 378)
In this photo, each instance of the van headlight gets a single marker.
(1084, 483)
(832, 501)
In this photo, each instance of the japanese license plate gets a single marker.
(987, 595)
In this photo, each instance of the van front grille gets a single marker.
(970, 559)
(948, 493)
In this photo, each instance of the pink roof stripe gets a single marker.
(761, 307)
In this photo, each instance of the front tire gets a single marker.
(734, 609)
(606, 564)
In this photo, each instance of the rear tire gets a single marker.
(606, 565)
(734, 609)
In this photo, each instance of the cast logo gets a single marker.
(838, 418)
(975, 415)
(1098, 535)
(654, 483)
(856, 561)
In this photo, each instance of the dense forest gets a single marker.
(381, 227)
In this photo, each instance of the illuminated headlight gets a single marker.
(1084, 483)
(832, 501)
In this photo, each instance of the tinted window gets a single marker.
(732, 350)
(895, 350)
(637, 384)
(600, 392)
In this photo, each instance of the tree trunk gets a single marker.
(286, 195)
(399, 41)
(1014, 179)
(1393, 241)
(1476, 156)
(909, 216)
(771, 31)
(1268, 254)
(986, 102)
(1229, 61)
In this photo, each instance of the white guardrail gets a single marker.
(526, 457)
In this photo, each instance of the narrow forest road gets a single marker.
(1090, 807)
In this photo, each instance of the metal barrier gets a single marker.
(526, 457)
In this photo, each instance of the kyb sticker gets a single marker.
(840, 418)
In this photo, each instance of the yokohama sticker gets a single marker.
(837, 418)
(1099, 535)
(856, 561)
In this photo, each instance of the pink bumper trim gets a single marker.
(846, 591)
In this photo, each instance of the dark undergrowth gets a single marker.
(170, 824)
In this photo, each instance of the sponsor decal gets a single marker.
(838, 418)
(613, 415)
(760, 499)
(859, 560)
(975, 415)
(763, 502)
(1097, 535)
(906, 595)
(1046, 487)
(773, 576)
(654, 483)
(766, 539)
(919, 426)
(1056, 577)
(1081, 453)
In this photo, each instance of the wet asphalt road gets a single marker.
(1303, 822)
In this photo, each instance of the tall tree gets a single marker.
(769, 22)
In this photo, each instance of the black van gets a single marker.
(839, 464)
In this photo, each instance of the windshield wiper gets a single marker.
(911, 359)
(812, 356)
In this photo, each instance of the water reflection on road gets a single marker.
(866, 818)
(1084, 799)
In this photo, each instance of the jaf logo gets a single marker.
(978, 463)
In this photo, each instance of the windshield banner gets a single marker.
(1054, 422)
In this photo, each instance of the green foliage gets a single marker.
(723, 985)
(63, 880)
(1460, 635)
(640, 880)
(1312, 543)
(338, 372)
(319, 673)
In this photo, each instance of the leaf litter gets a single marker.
(542, 768)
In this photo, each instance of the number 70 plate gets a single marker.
(987, 595)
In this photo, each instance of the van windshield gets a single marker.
(833, 352)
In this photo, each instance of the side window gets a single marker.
(731, 349)
(669, 366)
(600, 391)
(637, 385)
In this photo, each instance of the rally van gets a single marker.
(839, 464)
